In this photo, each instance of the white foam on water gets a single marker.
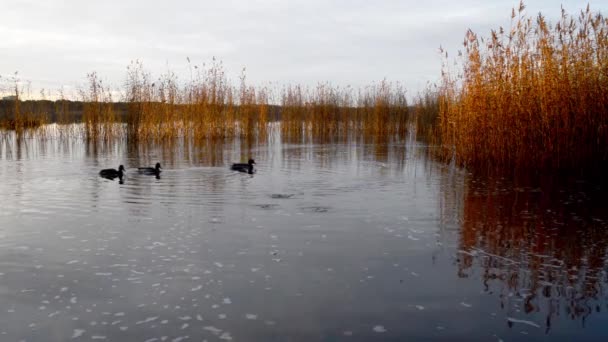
(213, 329)
(227, 301)
(184, 326)
(226, 336)
(77, 333)
(466, 305)
(198, 288)
(419, 307)
(251, 316)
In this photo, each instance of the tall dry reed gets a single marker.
(532, 97)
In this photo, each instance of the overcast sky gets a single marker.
(56, 43)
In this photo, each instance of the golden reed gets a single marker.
(533, 97)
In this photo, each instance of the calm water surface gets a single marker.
(349, 240)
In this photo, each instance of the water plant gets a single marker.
(531, 97)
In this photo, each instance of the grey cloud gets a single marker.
(345, 42)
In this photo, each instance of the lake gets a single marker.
(333, 239)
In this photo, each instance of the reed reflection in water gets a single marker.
(335, 237)
(542, 250)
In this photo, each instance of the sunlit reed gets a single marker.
(531, 97)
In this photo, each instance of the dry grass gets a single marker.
(531, 97)
(208, 106)
(426, 115)
(18, 115)
(98, 113)
(376, 110)
(205, 107)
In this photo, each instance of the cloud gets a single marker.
(345, 42)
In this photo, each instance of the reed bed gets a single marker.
(426, 116)
(376, 110)
(209, 106)
(18, 115)
(532, 97)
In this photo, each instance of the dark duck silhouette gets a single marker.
(113, 173)
(152, 171)
(241, 167)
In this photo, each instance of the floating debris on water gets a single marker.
(77, 333)
(522, 321)
(379, 329)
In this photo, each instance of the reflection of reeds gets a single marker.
(548, 247)
(534, 96)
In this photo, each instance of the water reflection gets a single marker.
(540, 250)
(334, 237)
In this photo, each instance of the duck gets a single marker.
(241, 167)
(156, 170)
(113, 173)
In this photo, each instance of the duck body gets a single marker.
(242, 167)
(152, 171)
(113, 173)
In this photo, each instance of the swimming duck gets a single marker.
(112, 173)
(150, 170)
(241, 167)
